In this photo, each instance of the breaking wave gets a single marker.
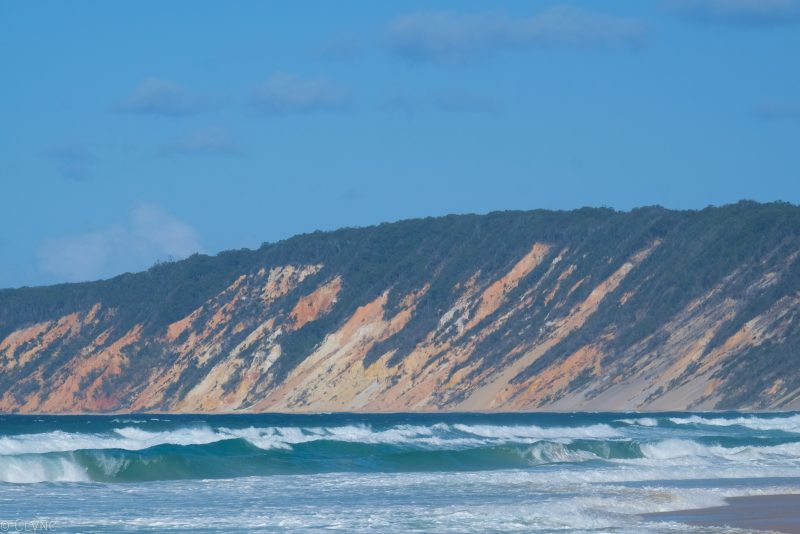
(437, 435)
(784, 423)
(133, 450)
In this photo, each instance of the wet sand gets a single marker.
(769, 513)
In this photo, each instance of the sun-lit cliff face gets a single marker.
(585, 310)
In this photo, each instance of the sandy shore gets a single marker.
(769, 513)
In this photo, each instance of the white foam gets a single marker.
(508, 501)
(111, 465)
(31, 469)
(789, 423)
(129, 438)
(510, 433)
(133, 438)
(438, 436)
(693, 452)
(283, 437)
(128, 421)
(546, 452)
(640, 421)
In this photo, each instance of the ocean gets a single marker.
(533, 472)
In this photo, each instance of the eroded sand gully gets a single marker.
(680, 373)
(498, 389)
(207, 340)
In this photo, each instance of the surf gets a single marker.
(140, 449)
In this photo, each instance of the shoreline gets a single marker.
(656, 413)
(768, 513)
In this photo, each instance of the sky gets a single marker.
(137, 132)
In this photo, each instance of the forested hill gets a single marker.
(591, 309)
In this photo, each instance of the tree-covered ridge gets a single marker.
(686, 298)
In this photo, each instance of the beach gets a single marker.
(772, 513)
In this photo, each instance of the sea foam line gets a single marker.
(789, 423)
(439, 435)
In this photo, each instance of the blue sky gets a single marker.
(143, 131)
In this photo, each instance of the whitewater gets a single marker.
(542, 472)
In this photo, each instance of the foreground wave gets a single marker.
(459, 473)
(143, 448)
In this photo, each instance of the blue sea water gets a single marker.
(539, 472)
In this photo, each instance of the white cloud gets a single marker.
(285, 93)
(452, 37)
(207, 141)
(161, 97)
(450, 102)
(150, 234)
(171, 236)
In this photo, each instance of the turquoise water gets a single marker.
(581, 472)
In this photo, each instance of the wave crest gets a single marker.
(789, 423)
